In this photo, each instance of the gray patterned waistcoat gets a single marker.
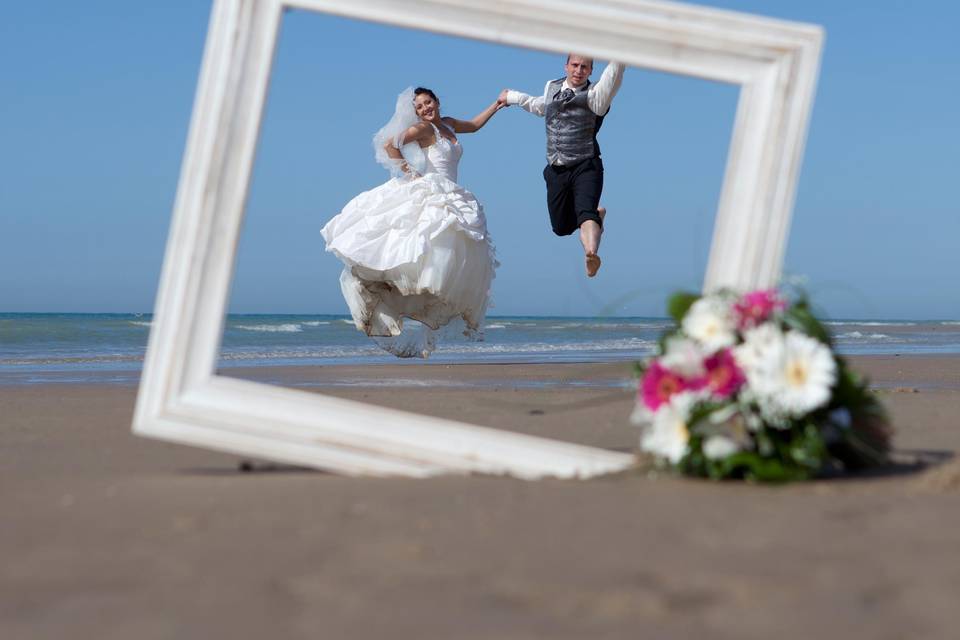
(571, 126)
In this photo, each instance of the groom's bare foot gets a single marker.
(593, 264)
(591, 259)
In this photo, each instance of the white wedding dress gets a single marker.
(415, 247)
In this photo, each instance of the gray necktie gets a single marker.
(565, 96)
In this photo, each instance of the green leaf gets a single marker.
(702, 411)
(759, 469)
(807, 448)
(694, 463)
(679, 303)
(765, 444)
(847, 392)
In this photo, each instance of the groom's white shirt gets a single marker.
(599, 95)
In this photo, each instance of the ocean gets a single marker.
(82, 348)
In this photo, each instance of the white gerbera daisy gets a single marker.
(683, 356)
(711, 322)
(667, 434)
(793, 376)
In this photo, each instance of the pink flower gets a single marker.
(755, 307)
(659, 384)
(724, 378)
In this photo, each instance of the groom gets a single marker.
(574, 109)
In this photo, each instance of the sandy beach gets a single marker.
(106, 535)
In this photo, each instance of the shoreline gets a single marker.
(883, 370)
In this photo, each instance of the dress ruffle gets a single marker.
(415, 248)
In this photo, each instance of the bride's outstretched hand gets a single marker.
(502, 100)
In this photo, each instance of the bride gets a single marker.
(416, 246)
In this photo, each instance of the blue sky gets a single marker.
(96, 99)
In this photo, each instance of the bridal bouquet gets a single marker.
(748, 386)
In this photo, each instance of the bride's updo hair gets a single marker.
(420, 90)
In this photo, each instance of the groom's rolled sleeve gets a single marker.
(526, 102)
(601, 94)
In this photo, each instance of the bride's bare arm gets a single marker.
(416, 133)
(477, 122)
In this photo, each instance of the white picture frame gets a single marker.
(182, 399)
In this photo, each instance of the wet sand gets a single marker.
(106, 535)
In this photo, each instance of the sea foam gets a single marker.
(271, 328)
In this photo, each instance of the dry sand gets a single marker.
(105, 535)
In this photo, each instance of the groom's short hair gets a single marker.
(570, 55)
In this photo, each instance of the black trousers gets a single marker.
(573, 194)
